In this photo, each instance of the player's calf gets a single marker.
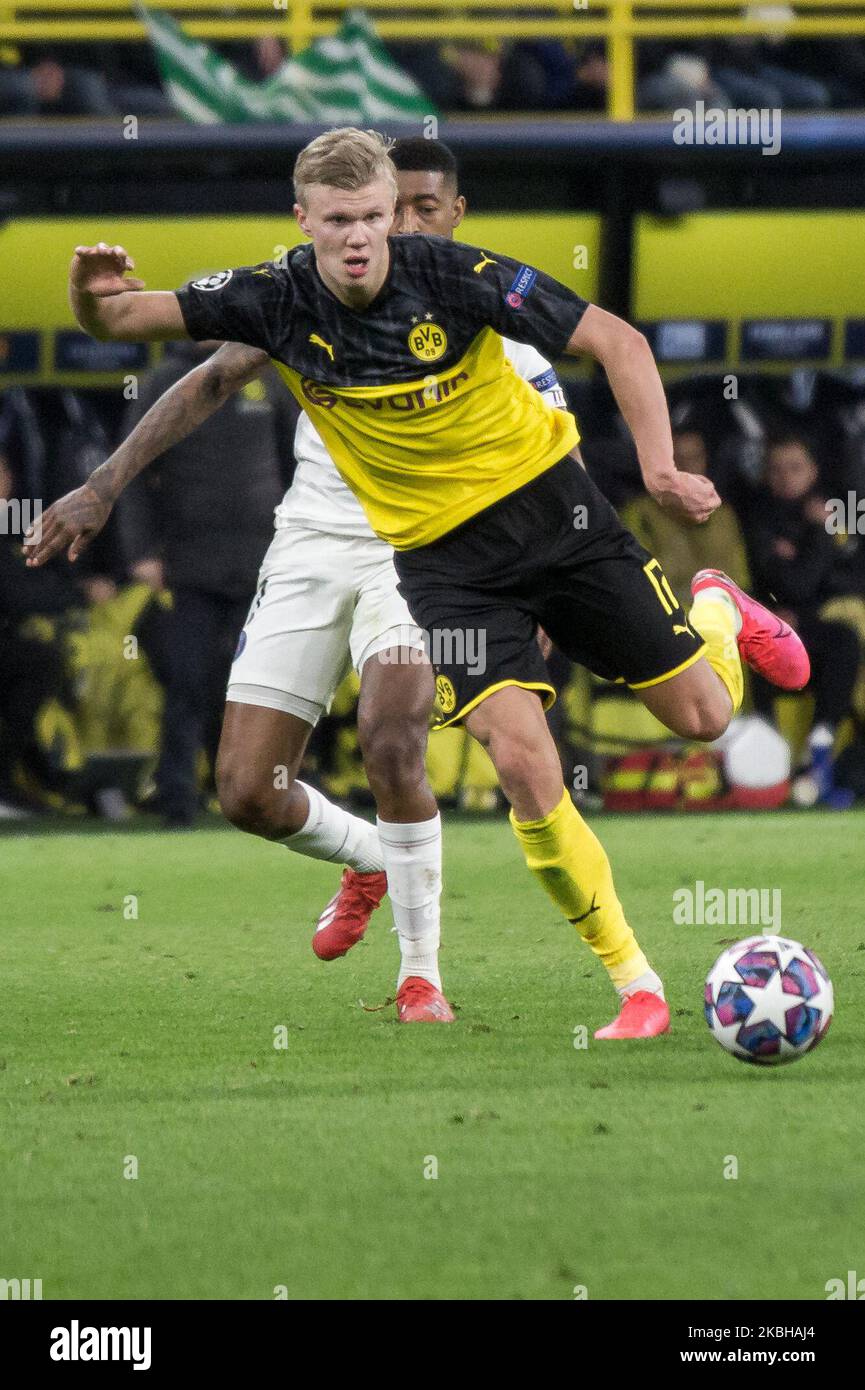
(396, 695)
(396, 691)
(561, 851)
(510, 724)
(394, 759)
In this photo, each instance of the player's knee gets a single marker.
(704, 720)
(393, 753)
(246, 801)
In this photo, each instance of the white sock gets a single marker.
(648, 980)
(413, 861)
(712, 591)
(331, 833)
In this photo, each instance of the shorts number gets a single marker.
(661, 586)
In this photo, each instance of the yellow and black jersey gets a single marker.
(413, 396)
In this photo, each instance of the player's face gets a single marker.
(426, 202)
(349, 233)
(790, 471)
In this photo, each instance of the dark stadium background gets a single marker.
(734, 262)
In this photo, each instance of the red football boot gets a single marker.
(644, 1015)
(770, 646)
(346, 917)
(418, 1001)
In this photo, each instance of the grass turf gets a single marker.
(303, 1166)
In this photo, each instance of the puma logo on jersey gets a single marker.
(263, 272)
(319, 342)
(679, 629)
(486, 260)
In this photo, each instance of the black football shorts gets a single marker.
(555, 554)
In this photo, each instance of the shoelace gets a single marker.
(376, 1008)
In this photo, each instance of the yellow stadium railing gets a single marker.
(621, 23)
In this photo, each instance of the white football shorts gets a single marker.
(324, 603)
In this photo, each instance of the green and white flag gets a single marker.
(346, 79)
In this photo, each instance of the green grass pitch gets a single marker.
(303, 1167)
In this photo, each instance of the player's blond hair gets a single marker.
(347, 158)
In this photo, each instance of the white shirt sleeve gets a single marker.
(528, 363)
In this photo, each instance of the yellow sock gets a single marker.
(715, 620)
(570, 863)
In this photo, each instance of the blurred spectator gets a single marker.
(768, 70)
(21, 439)
(829, 409)
(682, 80)
(794, 561)
(734, 432)
(31, 655)
(591, 79)
(838, 64)
(78, 440)
(738, 71)
(683, 549)
(560, 81)
(257, 61)
(759, 72)
(54, 81)
(426, 64)
(199, 521)
(496, 77)
(98, 79)
(134, 83)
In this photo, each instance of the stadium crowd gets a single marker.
(548, 75)
(115, 668)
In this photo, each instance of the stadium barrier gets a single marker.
(746, 278)
(622, 24)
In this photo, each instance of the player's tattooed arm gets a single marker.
(73, 521)
(111, 305)
(633, 376)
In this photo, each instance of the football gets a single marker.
(768, 1000)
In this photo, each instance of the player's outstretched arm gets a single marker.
(72, 522)
(633, 376)
(110, 305)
